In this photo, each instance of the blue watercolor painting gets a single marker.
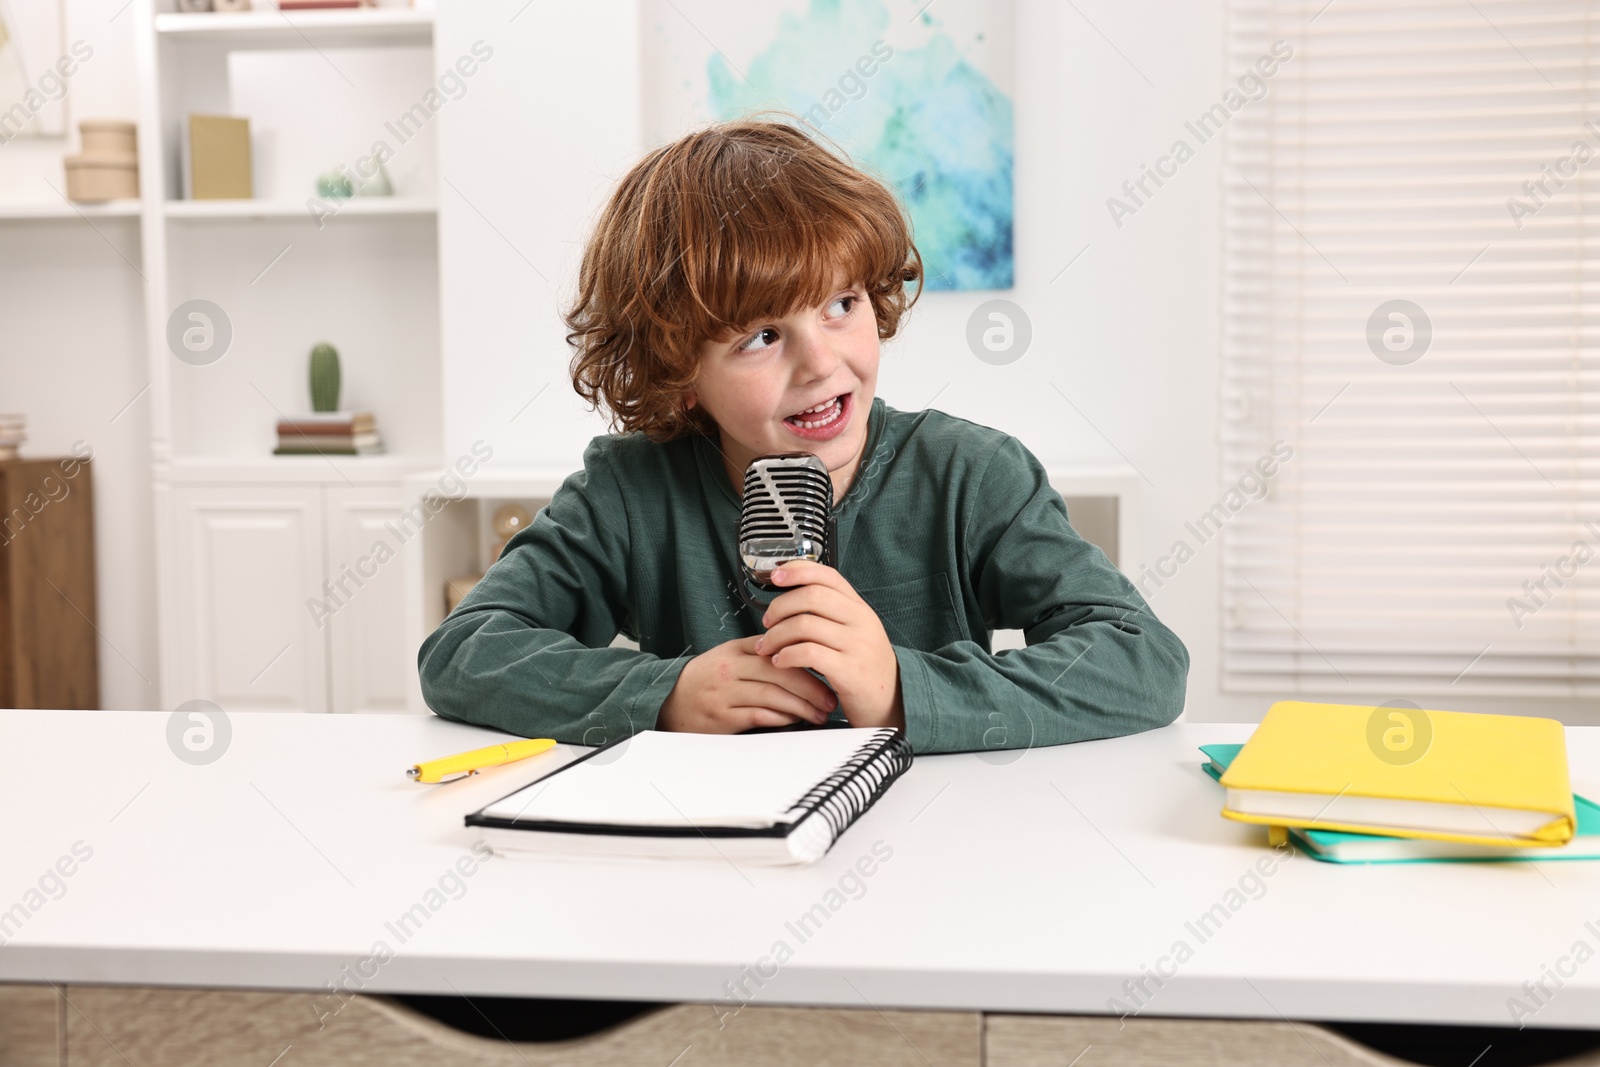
(909, 105)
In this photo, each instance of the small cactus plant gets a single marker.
(324, 378)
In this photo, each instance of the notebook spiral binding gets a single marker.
(844, 795)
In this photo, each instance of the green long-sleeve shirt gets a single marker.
(949, 530)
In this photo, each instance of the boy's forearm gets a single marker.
(491, 669)
(1094, 678)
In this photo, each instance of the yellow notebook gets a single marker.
(1444, 775)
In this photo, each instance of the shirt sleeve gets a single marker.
(526, 651)
(1097, 664)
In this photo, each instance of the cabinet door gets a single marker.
(365, 621)
(248, 568)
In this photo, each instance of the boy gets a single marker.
(731, 303)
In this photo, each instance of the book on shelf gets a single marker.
(298, 449)
(324, 446)
(328, 422)
(329, 433)
(329, 440)
(217, 160)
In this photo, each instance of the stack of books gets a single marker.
(13, 431)
(329, 433)
(1355, 784)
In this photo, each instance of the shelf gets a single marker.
(383, 469)
(538, 483)
(112, 209)
(358, 206)
(379, 27)
(1092, 479)
(509, 483)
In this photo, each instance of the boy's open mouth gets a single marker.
(815, 418)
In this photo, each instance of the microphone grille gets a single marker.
(788, 499)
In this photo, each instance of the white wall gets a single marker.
(72, 350)
(1133, 325)
(527, 158)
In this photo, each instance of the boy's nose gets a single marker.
(814, 357)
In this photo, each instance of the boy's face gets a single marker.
(759, 385)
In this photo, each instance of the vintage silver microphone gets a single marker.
(786, 514)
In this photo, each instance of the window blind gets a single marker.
(1410, 296)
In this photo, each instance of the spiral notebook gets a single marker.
(770, 798)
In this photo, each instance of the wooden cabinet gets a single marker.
(48, 638)
(282, 599)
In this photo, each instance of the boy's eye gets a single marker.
(849, 299)
(750, 345)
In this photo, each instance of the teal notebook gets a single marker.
(1336, 846)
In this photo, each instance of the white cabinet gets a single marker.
(244, 562)
(282, 599)
(367, 652)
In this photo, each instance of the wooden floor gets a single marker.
(119, 1026)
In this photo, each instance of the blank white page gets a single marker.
(677, 779)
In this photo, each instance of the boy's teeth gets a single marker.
(834, 409)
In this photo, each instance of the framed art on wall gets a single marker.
(921, 95)
(33, 93)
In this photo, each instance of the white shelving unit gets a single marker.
(111, 209)
(357, 207)
(386, 469)
(257, 608)
(298, 29)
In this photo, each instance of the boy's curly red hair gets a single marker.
(737, 223)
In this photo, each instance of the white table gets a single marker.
(1033, 881)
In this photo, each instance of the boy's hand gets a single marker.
(823, 623)
(729, 688)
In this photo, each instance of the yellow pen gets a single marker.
(470, 762)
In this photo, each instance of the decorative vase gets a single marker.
(375, 184)
(324, 378)
(332, 185)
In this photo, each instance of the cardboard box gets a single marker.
(91, 179)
